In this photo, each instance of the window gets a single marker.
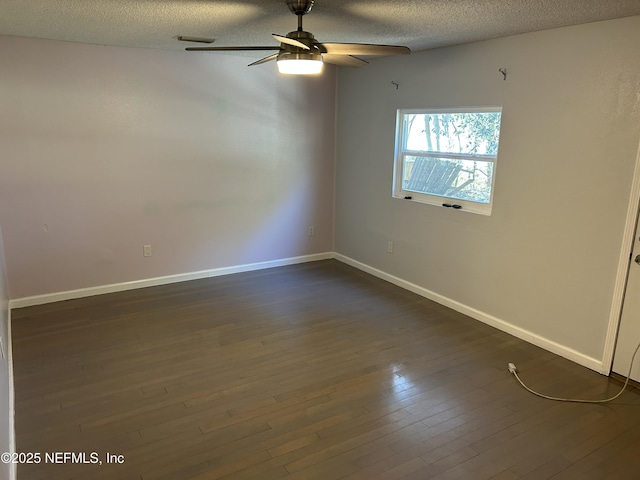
(447, 156)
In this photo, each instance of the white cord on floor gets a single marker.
(514, 370)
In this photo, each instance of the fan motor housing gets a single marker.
(303, 37)
(291, 51)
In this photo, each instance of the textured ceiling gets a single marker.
(417, 24)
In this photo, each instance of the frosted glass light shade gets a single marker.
(299, 66)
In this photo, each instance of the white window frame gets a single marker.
(401, 152)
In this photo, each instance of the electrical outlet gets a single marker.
(311, 231)
(390, 247)
(146, 250)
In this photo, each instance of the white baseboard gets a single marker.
(153, 282)
(526, 335)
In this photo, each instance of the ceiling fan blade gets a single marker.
(229, 49)
(344, 60)
(362, 49)
(186, 38)
(290, 41)
(264, 60)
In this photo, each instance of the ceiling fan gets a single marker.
(300, 53)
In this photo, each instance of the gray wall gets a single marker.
(106, 149)
(544, 263)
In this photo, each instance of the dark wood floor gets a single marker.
(314, 371)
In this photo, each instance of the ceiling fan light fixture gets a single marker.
(304, 63)
(300, 53)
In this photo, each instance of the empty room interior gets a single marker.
(217, 270)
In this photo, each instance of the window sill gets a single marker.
(448, 203)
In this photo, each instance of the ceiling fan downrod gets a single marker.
(300, 8)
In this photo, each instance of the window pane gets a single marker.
(468, 133)
(461, 179)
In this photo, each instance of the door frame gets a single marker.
(628, 237)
